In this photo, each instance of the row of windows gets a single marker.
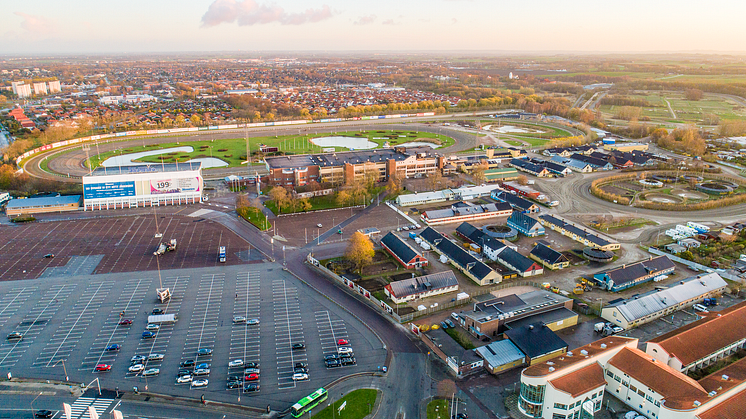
(533, 394)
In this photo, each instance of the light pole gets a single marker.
(63, 368)
(32, 403)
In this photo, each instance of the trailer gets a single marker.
(164, 247)
(164, 294)
(221, 254)
(162, 318)
(699, 227)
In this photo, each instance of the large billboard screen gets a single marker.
(164, 186)
(108, 190)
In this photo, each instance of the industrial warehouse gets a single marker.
(141, 186)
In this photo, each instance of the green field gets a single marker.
(515, 143)
(233, 151)
(360, 403)
(438, 409)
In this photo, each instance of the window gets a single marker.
(560, 406)
(609, 373)
(617, 378)
(558, 416)
(533, 394)
(641, 393)
(633, 388)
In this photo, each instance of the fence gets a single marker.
(694, 265)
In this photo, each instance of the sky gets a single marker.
(135, 26)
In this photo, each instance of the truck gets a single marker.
(164, 294)
(221, 254)
(164, 247)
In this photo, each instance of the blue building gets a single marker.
(525, 225)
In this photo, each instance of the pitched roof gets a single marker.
(715, 331)
(524, 221)
(456, 211)
(548, 254)
(456, 253)
(733, 408)
(399, 247)
(535, 340)
(421, 284)
(528, 166)
(630, 273)
(678, 389)
(513, 200)
(589, 160)
(516, 260)
(581, 381)
(588, 235)
(470, 232)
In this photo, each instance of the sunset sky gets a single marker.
(91, 26)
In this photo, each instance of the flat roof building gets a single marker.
(461, 213)
(538, 342)
(47, 204)
(501, 356)
(421, 287)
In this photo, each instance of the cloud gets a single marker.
(249, 12)
(365, 20)
(454, 20)
(36, 26)
(388, 22)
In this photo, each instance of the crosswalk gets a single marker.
(80, 407)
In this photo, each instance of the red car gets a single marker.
(103, 367)
(251, 377)
(125, 322)
(342, 342)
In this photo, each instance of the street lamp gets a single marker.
(63, 368)
(32, 403)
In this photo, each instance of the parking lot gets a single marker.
(68, 323)
(108, 245)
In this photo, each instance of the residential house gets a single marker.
(403, 252)
(525, 225)
(549, 257)
(421, 287)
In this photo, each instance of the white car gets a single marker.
(319, 225)
(155, 357)
(136, 368)
(152, 327)
(299, 376)
(184, 379)
(235, 363)
(239, 319)
(151, 371)
(252, 322)
(202, 382)
(202, 371)
(344, 350)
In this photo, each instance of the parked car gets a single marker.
(184, 379)
(251, 365)
(251, 371)
(202, 382)
(202, 366)
(182, 373)
(344, 350)
(235, 377)
(300, 376)
(444, 325)
(348, 361)
(125, 322)
(157, 311)
(103, 367)
(330, 357)
(235, 363)
(15, 335)
(204, 352)
(299, 370)
(186, 364)
(319, 225)
(152, 327)
(454, 316)
(234, 384)
(151, 371)
(44, 414)
(301, 365)
(700, 308)
(239, 319)
(49, 256)
(331, 363)
(252, 322)
(138, 359)
(155, 357)
(343, 342)
(298, 346)
(114, 347)
(201, 371)
(449, 323)
(136, 368)
(251, 377)
(148, 335)
(251, 387)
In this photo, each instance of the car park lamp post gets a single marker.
(32, 403)
(63, 368)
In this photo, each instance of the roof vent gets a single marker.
(569, 353)
(712, 393)
(583, 352)
(531, 327)
(551, 369)
(603, 346)
(550, 363)
(725, 377)
(697, 403)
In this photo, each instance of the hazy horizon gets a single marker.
(222, 26)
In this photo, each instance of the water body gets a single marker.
(418, 144)
(352, 143)
(128, 159)
(508, 129)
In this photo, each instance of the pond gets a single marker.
(418, 144)
(510, 129)
(129, 159)
(353, 143)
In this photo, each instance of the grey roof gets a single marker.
(470, 232)
(146, 168)
(548, 254)
(592, 237)
(527, 166)
(522, 220)
(515, 260)
(560, 313)
(421, 284)
(500, 353)
(535, 341)
(555, 167)
(352, 157)
(514, 200)
(630, 273)
(47, 201)
(532, 301)
(595, 162)
(456, 253)
(456, 211)
(401, 248)
(657, 300)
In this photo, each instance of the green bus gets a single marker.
(309, 402)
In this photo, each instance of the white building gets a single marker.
(572, 386)
(131, 99)
(140, 186)
(21, 89)
(54, 86)
(40, 88)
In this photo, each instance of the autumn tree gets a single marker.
(522, 180)
(693, 94)
(478, 172)
(394, 184)
(435, 180)
(359, 250)
(281, 197)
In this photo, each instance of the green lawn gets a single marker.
(255, 217)
(317, 203)
(438, 409)
(515, 143)
(233, 151)
(360, 404)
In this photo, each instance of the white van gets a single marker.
(700, 308)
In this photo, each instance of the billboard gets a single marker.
(164, 186)
(108, 190)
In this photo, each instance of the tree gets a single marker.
(304, 204)
(478, 171)
(522, 180)
(393, 186)
(693, 94)
(435, 180)
(195, 120)
(359, 250)
(280, 196)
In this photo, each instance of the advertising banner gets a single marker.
(164, 186)
(108, 190)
